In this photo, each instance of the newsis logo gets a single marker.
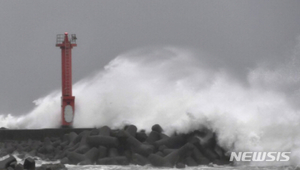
(260, 156)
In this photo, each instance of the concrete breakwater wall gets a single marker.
(36, 134)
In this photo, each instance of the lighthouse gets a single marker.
(66, 43)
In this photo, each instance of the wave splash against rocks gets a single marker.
(175, 89)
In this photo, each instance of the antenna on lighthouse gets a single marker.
(66, 43)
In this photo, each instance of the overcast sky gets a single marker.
(235, 34)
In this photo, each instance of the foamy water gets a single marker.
(39, 162)
(173, 88)
(133, 167)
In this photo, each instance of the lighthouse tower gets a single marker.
(66, 43)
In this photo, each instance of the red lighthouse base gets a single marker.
(67, 110)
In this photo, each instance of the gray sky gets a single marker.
(236, 34)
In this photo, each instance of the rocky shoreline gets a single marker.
(104, 146)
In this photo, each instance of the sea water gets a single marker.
(133, 167)
(39, 162)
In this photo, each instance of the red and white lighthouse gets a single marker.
(66, 43)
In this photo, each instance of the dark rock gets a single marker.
(189, 161)
(102, 151)
(113, 152)
(207, 138)
(47, 146)
(120, 134)
(219, 151)
(121, 147)
(56, 143)
(29, 164)
(199, 157)
(193, 140)
(32, 153)
(83, 146)
(175, 156)
(94, 132)
(120, 160)
(58, 166)
(160, 154)
(75, 158)
(19, 167)
(163, 136)
(138, 147)
(9, 148)
(209, 153)
(104, 131)
(153, 137)
(92, 154)
(168, 151)
(66, 138)
(141, 136)
(79, 137)
(65, 160)
(42, 156)
(72, 136)
(23, 143)
(9, 168)
(157, 128)
(171, 142)
(73, 147)
(54, 139)
(156, 160)
(6, 161)
(86, 162)
(138, 159)
(127, 154)
(107, 161)
(61, 155)
(36, 144)
(180, 165)
(13, 164)
(99, 140)
(162, 147)
(203, 161)
(131, 130)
